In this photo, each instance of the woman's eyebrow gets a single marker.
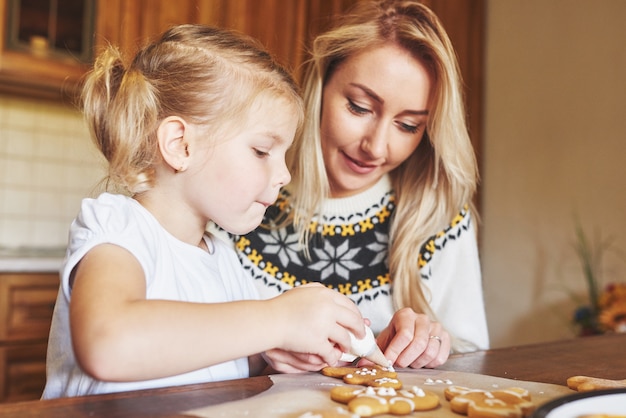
(369, 92)
(417, 112)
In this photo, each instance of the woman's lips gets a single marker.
(358, 166)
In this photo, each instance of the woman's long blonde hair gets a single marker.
(437, 180)
(209, 76)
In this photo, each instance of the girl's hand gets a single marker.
(314, 319)
(413, 340)
(283, 361)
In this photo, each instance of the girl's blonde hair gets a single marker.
(437, 180)
(208, 76)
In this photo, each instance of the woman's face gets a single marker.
(374, 113)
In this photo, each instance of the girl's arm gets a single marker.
(119, 335)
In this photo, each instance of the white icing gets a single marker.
(407, 393)
(386, 380)
(418, 391)
(386, 392)
(410, 402)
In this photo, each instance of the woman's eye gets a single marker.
(356, 109)
(412, 129)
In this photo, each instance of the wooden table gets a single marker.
(553, 362)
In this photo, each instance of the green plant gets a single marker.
(606, 308)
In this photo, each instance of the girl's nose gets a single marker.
(283, 176)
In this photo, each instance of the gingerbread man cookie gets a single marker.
(477, 403)
(370, 401)
(587, 383)
(375, 376)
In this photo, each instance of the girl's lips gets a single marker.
(358, 166)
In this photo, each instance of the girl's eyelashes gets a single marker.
(260, 153)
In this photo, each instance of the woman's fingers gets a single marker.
(413, 340)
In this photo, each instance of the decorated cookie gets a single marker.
(477, 403)
(370, 401)
(586, 383)
(375, 376)
(601, 416)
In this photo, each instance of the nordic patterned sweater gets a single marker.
(349, 253)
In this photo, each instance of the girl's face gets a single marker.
(241, 176)
(374, 113)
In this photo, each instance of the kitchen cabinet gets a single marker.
(45, 46)
(26, 306)
(284, 27)
(33, 70)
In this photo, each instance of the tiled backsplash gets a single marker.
(47, 165)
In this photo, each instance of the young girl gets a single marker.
(194, 129)
(380, 206)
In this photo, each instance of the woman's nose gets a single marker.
(374, 142)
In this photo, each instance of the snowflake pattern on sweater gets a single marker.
(347, 253)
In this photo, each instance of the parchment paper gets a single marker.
(294, 394)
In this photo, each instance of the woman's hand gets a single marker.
(413, 340)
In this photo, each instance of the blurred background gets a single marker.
(546, 96)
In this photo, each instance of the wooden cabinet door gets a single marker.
(26, 307)
(23, 372)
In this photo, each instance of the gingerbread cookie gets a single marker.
(601, 416)
(370, 401)
(375, 376)
(586, 383)
(477, 403)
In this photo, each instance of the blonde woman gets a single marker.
(383, 175)
(148, 298)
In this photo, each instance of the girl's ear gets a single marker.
(173, 144)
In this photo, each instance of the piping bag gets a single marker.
(366, 348)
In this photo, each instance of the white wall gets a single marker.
(47, 165)
(554, 148)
